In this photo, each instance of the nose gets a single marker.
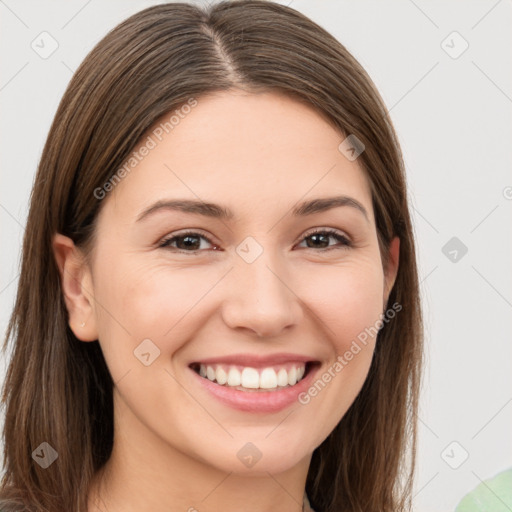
(261, 299)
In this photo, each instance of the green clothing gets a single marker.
(493, 495)
(306, 505)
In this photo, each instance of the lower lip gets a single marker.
(258, 401)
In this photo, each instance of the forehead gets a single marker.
(246, 151)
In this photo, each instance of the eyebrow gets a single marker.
(219, 212)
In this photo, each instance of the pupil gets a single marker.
(316, 236)
(187, 238)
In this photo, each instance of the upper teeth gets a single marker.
(263, 378)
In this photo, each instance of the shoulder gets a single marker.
(493, 494)
(306, 505)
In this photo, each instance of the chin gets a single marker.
(256, 457)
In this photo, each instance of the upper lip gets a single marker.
(256, 361)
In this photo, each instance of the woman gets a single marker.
(218, 307)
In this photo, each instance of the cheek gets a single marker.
(148, 313)
(159, 302)
(347, 303)
(346, 300)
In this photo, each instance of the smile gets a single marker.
(256, 384)
(253, 379)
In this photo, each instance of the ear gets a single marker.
(392, 268)
(76, 285)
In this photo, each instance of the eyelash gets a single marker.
(345, 242)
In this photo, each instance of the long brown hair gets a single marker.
(58, 389)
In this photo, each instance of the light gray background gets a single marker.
(453, 118)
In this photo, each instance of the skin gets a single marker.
(175, 446)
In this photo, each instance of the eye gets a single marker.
(190, 241)
(321, 236)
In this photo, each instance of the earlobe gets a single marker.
(76, 287)
(392, 268)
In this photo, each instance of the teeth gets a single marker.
(268, 379)
(210, 373)
(292, 376)
(221, 376)
(251, 378)
(234, 377)
(282, 377)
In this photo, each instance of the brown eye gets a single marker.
(186, 242)
(320, 240)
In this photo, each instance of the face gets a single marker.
(207, 321)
